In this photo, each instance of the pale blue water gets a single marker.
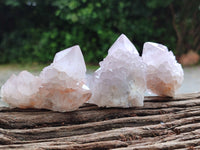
(191, 83)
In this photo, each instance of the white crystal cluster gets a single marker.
(60, 86)
(164, 75)
(21, 91)
(120, 80)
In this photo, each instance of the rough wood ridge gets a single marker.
(163, 123)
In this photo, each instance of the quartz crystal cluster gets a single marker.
(60, 86)
(21, 91)
(164, 75)
(120, 80)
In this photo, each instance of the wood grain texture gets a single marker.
(163, 123)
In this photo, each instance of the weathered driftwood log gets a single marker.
(163, 123)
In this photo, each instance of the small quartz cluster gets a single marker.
(164, 75)
(21, 91)
(59, 87)
(120, 80)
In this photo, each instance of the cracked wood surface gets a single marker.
(163, 123)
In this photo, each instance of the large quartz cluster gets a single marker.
(120, 80)
(164, 75)
(60, 86)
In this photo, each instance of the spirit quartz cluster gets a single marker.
(120, 81)
(163, 75)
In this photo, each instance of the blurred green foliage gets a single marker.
(34, 30)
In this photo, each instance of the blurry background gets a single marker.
(32, 31)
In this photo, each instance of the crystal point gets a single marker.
(71, 61)
(123, 43)
(120, 80)
(164, 74)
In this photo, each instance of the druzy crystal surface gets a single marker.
(120, 80)
(164, 75)
(59, 87)
(21, 91)
(63, 82)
